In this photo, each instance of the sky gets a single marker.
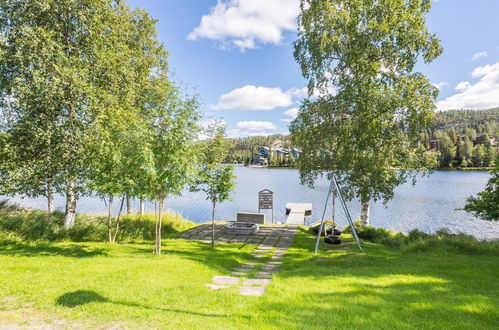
(237, 55)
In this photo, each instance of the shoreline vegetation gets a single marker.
(21, 225)
(489, 168)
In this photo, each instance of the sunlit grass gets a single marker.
(91, 284)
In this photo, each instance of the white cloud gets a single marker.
(479, 55)
(463, 85)
(298, 92)
(441, 85)
(483, 94)
(255, 125)
(253, 98)
(293, 113)
(243, 23)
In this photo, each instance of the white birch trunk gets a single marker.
(129, 207)
(364, 213)
(213, 226)
(142, 207)
(50, 198)
(69, 220)
(110, 219)
(161, 201)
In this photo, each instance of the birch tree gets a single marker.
(213, 178)
(174, 128)
(50, 50)
(359, 57)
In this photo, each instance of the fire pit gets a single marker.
(242, 228)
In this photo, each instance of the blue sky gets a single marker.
(238, 56)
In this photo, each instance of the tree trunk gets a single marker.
(161, 201)
(117, 229)
(70, 205)
(50, 198)
(213, 225)
(110, 219)
(142, 207)
(129, 207)
(364, 213)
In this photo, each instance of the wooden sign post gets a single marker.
(266, 201)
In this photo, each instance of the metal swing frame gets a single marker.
(335, 189)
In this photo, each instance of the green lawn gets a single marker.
(96, 284)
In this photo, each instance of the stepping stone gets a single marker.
(279, 252)
(242, 269)
(217, 287)
(253, 281)
(270, 268)
(276, 257)
(252, 290)
(263, 276)
(257, 255)
(265, 247)
(261, 251)
(264, 273)
(239, 273)
(250, 262)
(274, 262)
(225, 280)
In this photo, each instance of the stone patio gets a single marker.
(273, 244)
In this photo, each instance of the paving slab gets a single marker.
(258, 255)
(276, 257)
(243, 269)
(239, 273)
(252, 290)
(264, 273)
(263, 276)
(217, 287)
(254, 281)
(225, 280)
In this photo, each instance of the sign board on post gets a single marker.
(266, 201)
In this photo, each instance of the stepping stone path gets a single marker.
(256, 274)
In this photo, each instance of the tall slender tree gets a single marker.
(50, 53)
(215, 179)
(174, 128)
(359, 56)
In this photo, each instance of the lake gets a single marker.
(429, 205)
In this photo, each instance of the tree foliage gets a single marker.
(486, 204)
(360, 56)
(215, 179)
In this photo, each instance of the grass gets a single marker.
(17, 225)
(98, 284)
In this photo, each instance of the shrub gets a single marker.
(418, 241)
(9, 238)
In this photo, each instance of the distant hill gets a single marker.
(462, 119)
(466, 123)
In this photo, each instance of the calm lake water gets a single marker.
(429, 205)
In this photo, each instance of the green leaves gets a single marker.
(364, 127)
(486, 204)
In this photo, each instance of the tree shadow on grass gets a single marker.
(397, 305)
(47, 249)
(385, 288)
(83, 297)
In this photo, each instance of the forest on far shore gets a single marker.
(461, 139)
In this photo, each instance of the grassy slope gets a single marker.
(96, 283)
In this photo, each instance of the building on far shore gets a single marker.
(261, 157)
